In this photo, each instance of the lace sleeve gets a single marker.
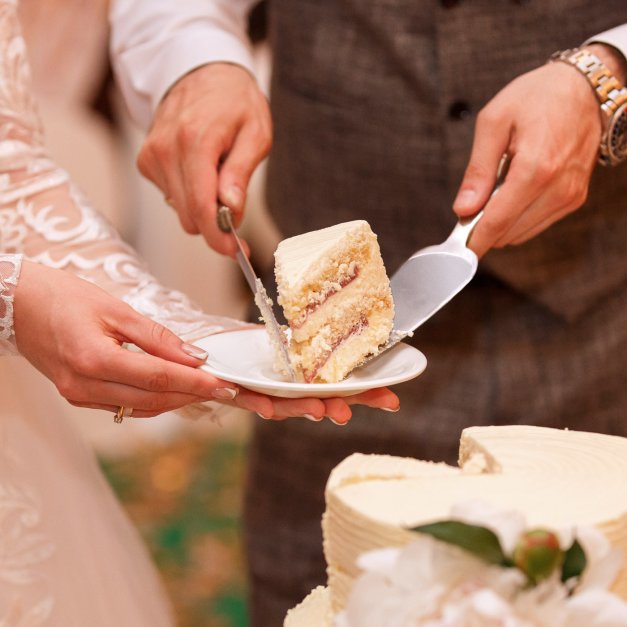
(9, 272)
(46, 219)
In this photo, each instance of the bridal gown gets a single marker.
(68, 555)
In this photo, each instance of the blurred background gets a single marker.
(180, 481)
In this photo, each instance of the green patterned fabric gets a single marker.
(185, 499)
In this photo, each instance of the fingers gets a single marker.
(562, 197)
(156, 340)
(379, 398)
(525, 179)
(251, 146)
(491, 139)
(199, 172)
(105, 394)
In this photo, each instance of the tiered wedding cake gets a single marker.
(559, 480)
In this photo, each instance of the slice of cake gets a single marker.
(336, 298)
(559, 480)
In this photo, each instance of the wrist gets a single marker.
(610, 92)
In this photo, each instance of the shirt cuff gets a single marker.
(178, 56)
(615, 37)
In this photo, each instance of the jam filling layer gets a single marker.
(324, 297)
(310, 374)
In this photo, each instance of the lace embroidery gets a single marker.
(10, 266)
(22, 549)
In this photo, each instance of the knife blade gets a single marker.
(278, 338)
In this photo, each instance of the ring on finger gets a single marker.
(121, 413)
(170, 201)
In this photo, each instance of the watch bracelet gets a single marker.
(608, 90)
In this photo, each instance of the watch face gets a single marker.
(617, 135)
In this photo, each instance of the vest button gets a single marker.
(459, 110)
(449, 4)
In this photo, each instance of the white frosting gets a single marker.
(558, 479)
(296, 255)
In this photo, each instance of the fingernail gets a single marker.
(225, 394)
(194, 351)
(311, 417)
(262, 416)
(234, 197)
(335, 422)
(392, 411)
(465, 199)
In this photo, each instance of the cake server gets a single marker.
(432, 276)
(264, 303)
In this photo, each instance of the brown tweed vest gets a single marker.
(374, 104)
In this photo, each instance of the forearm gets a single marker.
(156, 42)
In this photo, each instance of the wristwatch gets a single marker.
(612, 96)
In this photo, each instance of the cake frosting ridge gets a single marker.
(561, 480)
(336, 298)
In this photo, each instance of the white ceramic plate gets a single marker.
(245, 357)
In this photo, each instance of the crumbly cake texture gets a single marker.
(336, 298)
(557, 479)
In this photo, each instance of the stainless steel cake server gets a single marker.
(432, 276)
(264, 303)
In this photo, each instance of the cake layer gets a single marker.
(336, 349)
(314, 611)
(558, 479)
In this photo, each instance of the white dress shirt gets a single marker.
(156, 42)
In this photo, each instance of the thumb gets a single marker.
(250, 148)
(157, 340)
(489, 144)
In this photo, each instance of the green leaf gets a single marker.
(575, 561)
(480, 541)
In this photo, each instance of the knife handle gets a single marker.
(224, 218)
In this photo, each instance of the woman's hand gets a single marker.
(73, 332)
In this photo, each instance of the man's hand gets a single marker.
(209, 134)
(549, 122)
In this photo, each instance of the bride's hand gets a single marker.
(73, 332)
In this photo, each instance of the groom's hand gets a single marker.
(209, 134)
(549, 122)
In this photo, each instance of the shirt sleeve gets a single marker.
(616, 37)
(156, 42)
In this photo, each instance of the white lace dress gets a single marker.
(68, 556)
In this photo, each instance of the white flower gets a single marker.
(429, 583)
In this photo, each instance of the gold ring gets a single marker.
(122, 413)
(170, 201)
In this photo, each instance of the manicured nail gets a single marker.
(225, 394)
(335, 422)
(194, 351)
(392, 411)
(465, 199)
(311, 417)
(234, 197)
(262, 416)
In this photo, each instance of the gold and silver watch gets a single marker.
(612, 96)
